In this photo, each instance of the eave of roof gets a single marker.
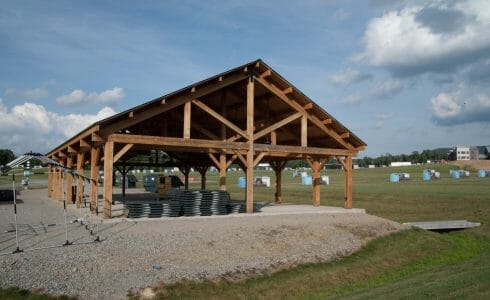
(353, 139)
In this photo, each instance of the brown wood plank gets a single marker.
(283, 96)
(277, 125)
(304, 131)
(123, 151)
(220, 118)
(80, 163)
(69, 179)
(94, 176)
(250, 153)
(187, 120)
(108, 156)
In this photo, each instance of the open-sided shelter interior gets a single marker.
(245, 115)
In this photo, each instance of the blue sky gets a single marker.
(402, 75)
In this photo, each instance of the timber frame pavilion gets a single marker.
(245, 115)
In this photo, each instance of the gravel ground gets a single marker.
(185, 248)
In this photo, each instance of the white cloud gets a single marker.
(463, 104)
(28, 94)
(437, 37)
(382, 118)
(348, 77)
(381, 91)
(106, 97)
(30, 126)
(386, 89)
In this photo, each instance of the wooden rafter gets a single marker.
(219, 117)
(277, 125)
(168, 105)
(283, 96)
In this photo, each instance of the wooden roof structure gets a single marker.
(245, 115)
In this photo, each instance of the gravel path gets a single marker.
(185, 248)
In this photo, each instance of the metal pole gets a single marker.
(64, 212)
(17, 249)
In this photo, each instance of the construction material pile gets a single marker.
(186, 203)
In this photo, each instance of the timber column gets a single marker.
(69, 179)
(80, 163)
(250, 152)
(222, 172)
(348, 182)
(94, 176)
(108, 165)
(50, 182)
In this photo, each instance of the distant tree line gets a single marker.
(415, 157)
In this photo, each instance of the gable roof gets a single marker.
(265, 75)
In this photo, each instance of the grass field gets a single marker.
(409, 264)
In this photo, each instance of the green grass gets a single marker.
(408, 264)
(411, 263)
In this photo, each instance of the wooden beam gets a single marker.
(75, 139)
(266, 74)
(287, 90)
(242, 159)
(304, 131)
(250, 153)
(277, 125)
(84, 144)
(171, 104)
(94, 176)
(327, 121)
(215, 161)
(71, 150)
(273, 138)
(231, 160)
(308, 106)
(96, 138)
(187, 120)
(283, 96)
(69, 179)
(222, 172)
(348, 183)
(259, 158)
(108, 168)
(80, 164)
(190, 144)
(121, 152)
(345, 135)
(219, 117)
(342, 162)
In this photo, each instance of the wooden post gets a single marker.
(187, 120)
(69, 179)
(55, 184)
(50, 182)
(202, 170)
(185, 170)
(304, 131)
(348, 182)
(94, 176)
(278, 166)
(316, 166)
(80, 163)
(222, 172)
(108, 165)
(316, 183)
(250, 152)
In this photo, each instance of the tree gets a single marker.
(6, 156)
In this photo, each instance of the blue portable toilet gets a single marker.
(455, 174)
(242, 182)
(481, 173)
(306, 180)
(426, 175)
(394, 177)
